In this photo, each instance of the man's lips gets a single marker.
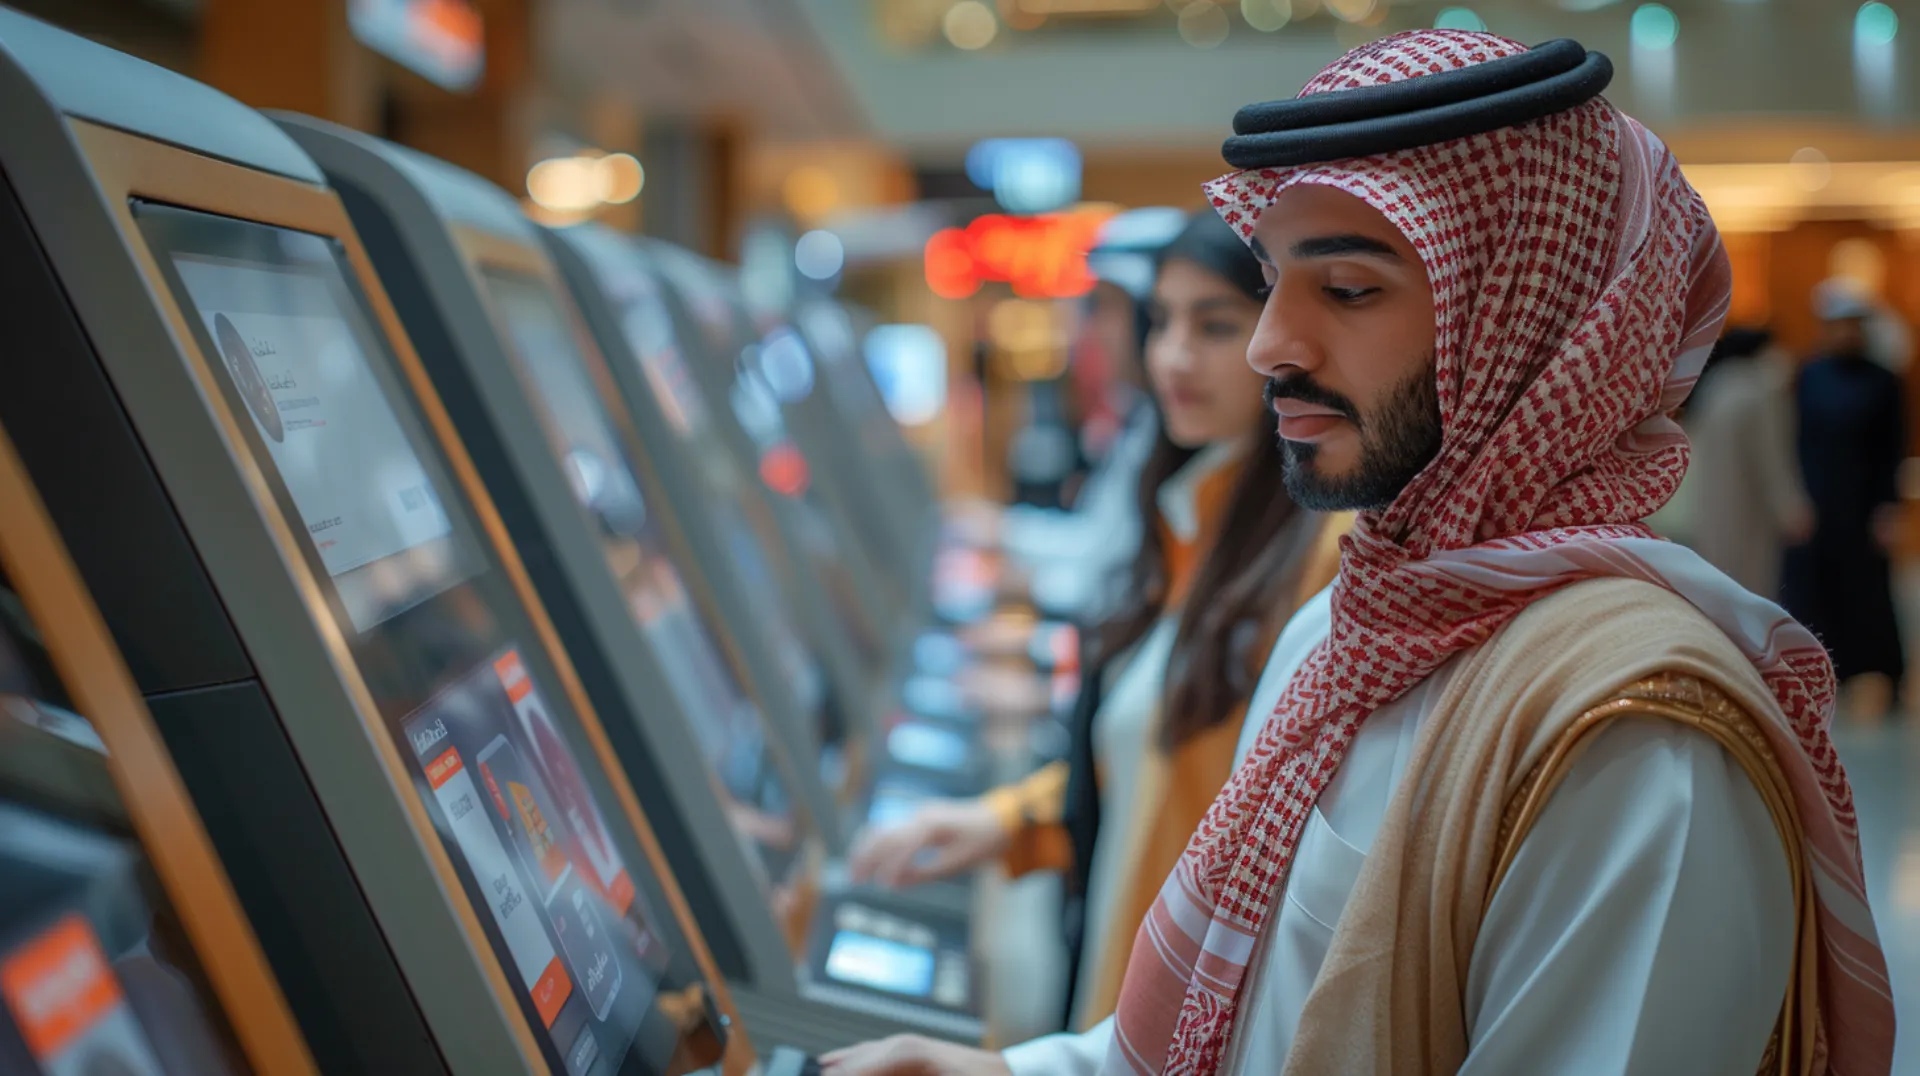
(1301, 421)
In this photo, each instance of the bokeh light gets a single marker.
(1876, 24)
(1203, 25)
(1459, 18)
(1655, 27)
(819, 255)
(1266, 16)
(970, 25)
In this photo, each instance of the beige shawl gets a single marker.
(1390, 997)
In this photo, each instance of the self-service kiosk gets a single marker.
(580, 495)
(638, 322)
(122, 946)
(415, 801)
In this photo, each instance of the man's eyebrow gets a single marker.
(1334, 246)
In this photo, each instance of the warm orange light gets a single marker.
(1041, 257)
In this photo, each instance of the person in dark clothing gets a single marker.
(1852, 439)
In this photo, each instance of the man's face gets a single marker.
(1347, 344)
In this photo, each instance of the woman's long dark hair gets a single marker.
(1250, 571)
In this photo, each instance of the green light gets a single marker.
(1876, 24)
(1655, 26)
(1459, 18)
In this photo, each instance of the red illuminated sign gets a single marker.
(1041, 257)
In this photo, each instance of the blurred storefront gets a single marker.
(849, 125)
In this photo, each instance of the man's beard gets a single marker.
(1397, 441)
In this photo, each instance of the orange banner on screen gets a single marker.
(442, 769)
(513, 676)
(59, 985)
(551, 991)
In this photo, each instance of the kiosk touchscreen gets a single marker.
(122, 948)
(420, 811)
(849, 418)
(728, 356)
(472, 282)
(626, 306)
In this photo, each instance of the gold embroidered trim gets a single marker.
(1700, 705)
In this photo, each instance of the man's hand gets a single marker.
(912, 1055)
(941, 840)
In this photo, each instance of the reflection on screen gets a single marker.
(879, 964)
(287, 347)
(729, 727)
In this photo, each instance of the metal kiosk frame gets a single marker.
(215, 600)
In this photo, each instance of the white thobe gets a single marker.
(1646, 924)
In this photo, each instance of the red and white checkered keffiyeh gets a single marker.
(1578, 285)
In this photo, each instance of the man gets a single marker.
(1852, 440)
(1747, 503)
(1539, 792)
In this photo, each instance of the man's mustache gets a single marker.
(1301, 387)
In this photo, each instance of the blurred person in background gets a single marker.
(1852, 439)
(1070, 554)
(1227, 559)
(1745, 500)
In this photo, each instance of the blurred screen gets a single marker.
(730, 728)
(880, 964)
(929, 747)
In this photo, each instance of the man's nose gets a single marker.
(1283, 339)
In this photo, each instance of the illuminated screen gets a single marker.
(927, 746)
(648, 327)
(880, 964)
(731, 729)
(375, 514)
(522, 819)
(757, 409)
(506, 773)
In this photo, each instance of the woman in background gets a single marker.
(1224, 560)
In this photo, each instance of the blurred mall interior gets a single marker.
(789, 293)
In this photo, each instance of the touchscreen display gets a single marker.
(375, 515)
(729, 727)
(68, 1005)
(880, 964)
(606, 984)
(517, 813)
(648, 327)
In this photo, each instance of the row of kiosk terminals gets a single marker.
(432, 643)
